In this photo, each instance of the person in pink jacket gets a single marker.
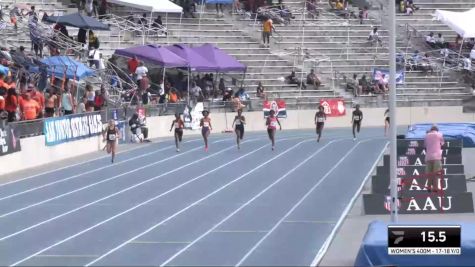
(433, 141)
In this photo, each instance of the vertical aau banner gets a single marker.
(333, 107)
(9, 142)
(69, 128)
(278, 106)
(193, 116)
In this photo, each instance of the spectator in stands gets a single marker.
(51, 103)
(332, 3)
(228, 94)
(32, 15)
(82, 106)
(352, 85)
(221, 86)
(312, 79)
(430, 40)
(374, 36)
(467, 66)
(38, 97)
(363, 14)
(292, 79)
(457, 42)
(11, 104)
(82, 33)
(103, 9)
(195, 92)
(425, 64)
(90, 95)
(472, 53)
(260, 90)
(3, 114)
(99, 101)
(144, 84)
(157, 23)
(382, 85)
(433, 159)
(143, 20)
(29, 108)
(219, 10)
(364, 85)
(67, 102)
(440, 41)
(140, 72)
(267, 28)
(93, 40)
(132, 65)
(90, 8)
(340, 5)
(94, 57)
(14, 14)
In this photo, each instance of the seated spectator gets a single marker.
(292, 79)
(136, 123)
(430, 40)
(228, 94)
(312, 79)
(382, 85)
(352, 85)
(157, 23)
(173, 96)
(260, 90)
(312, 8)
(332, 3)
(94, 57)
(374, 36)
(82, 106)
(364, 85)
(467, 66)
(425, 64)
(11, 104)
(440, 41)
(363, 14)
(340, 5)
(29, 108)
(93, 40)
(242, 94)
(457, 42)
(143, 20)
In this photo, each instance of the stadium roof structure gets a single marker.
(461, 22)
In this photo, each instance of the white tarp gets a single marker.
(162, 6)
(461, 22)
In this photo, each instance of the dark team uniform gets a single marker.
(239, 125)
(357, 118)
(320, 120)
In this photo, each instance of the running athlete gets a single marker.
(356, 120)
(206, 128)
(179, 125)
(386, 122)
(111, 135)
(271, 124)
(320, 118)
(239, 121)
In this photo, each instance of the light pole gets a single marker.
(392, 109)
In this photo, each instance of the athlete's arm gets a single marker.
(325, 115)
(243, 120)
(361, 119)
(352, 117)
(171, 127)
(201, 123)
(280, 126)
(235, 118)
(117, 133)
(210, 127)
(267, 121)
(315, 119)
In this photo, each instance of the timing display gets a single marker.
(424, 240)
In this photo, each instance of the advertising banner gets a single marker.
(69, 128)
(9, 140)
(449, 143)
(421, 151)
(420, 160)
(450, 184)
(378, 75)
(333, 107)
(278, 106)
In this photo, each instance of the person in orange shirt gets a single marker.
(38, 97)
(29, 108)
(267, 28)
(172, 96)
(11, 104)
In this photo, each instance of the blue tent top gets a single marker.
(218, 1)
(61, 64)
(195, 61)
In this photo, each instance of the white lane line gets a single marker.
(302, 199)
(245, 204)
(88, 172)
(326, 244)
(195, 203)
(81, 163)
(143, 203)
(124, 190)
(99, 182)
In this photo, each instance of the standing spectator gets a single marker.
(430, 40)
(143, 20)
(195, 92)
(132, 65)
(14, 13)
(440, 41)
(363, 14)
(433, 143)
(260, 90)
(374, 36)
(219, 10)
(353, 85)
(227, 96)
(98, 101)
(140, 71)
(364, 84)
(157, 23)
(173, 96)
(11, 104)
(90, 7)
(94, 57)
(90, 98)
(267, 28)
(38, 97)
(82, 106)
(82, 33)
(313, 79)
(221, 86)
(93, 40)
(67, 102)
(103, 8)
(51, 103)
(29, 108)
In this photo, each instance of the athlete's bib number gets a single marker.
(273, 124)
(357, 118)
(205, 124)
(111, 137)
(320, 119)
(177, 125)
(238, 122)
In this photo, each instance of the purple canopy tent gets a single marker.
(222, 61)
(196, 62)
(154, 54)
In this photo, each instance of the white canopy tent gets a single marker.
(461, 22)
(163, 6)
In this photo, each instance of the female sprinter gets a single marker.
(111, 135)
(356, 119)
(239, 121)
(271, 124)
(320, 118)
(386, 122)
(206, 128)
(179, 125)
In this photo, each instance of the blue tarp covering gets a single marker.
(3, 70)
(218, 1)
(60, 64)
(464, 131)
(374, 249)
